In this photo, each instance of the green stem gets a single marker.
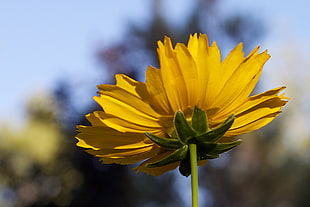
(194, 174)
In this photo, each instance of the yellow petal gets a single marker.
(119, 102)
(210, 75)
(123, 125)
(257, 100)
(124, 157)
(132, 86)
(231, 64)
(193, 46)
(259, 123)
(255, 114)
(251, 103)
(189, 73)
(173, 80)
(159, 100)
(99, 137)
(242, 82)
(94, 120)
(264, 110)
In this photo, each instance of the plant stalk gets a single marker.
(194, 174)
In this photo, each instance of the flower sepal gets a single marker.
(185, 167)
(199, 121)
(211, 148)
(216, 133)
(176, 156)
(184, 130)
(164, 142)
(195, 131)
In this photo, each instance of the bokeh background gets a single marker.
(54, 53)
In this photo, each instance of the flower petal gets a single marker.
(124, 157)
(242, 82)
(100, 137)
(231, 64)
(189, 73)
(132, 86)
(255, 114)
(119, 102)
(251, 103)
(155, 86)
(260, 109)
(210, 81)
(251, 126)
(208, 61)
(256, 101)
(173, 80)
(123, 125)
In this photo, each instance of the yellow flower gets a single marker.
(189, 76)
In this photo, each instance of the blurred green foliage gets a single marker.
(35, 165)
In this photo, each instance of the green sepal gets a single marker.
(216, 133)
(185, 167)
(184, 130)
(224, 147)
(199, 120)
(176, 156)
(206, 147)
(196, 132)
(203, 156)
(164, 142)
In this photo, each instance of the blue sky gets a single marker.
(42, 41)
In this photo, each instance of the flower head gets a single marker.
(190, 78)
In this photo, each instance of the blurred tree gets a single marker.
(33, 170)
